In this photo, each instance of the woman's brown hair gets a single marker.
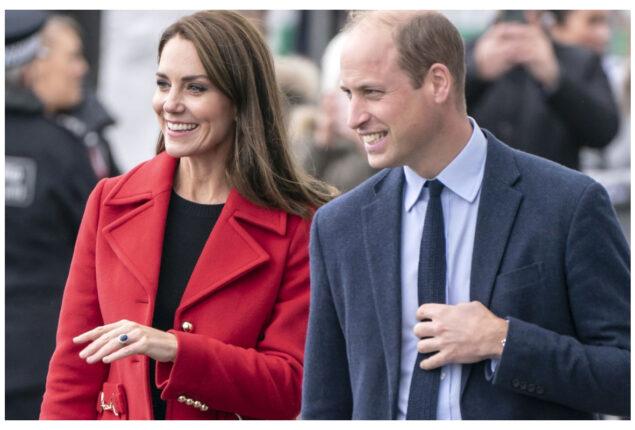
(238, 62)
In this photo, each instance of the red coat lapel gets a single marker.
(230, 251)
(138, 208)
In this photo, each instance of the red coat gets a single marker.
(240, 326)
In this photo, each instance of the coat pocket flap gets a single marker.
(112, 400)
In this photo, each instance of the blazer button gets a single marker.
(515, 383)
(187, 327)
(539, 390)
(531, 388)
(523, 385)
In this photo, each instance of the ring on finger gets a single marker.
(123, 339)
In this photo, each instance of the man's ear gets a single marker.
(440, 80)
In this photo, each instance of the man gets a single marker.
(52, 162)
(508, 300)
(538, 96)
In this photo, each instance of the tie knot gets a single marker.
(435, 187)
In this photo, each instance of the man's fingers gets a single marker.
(437, 360)
(425, 329)
(429, 310)
(427, 346)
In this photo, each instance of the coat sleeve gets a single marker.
(326, 391)
(591, 371)
(72, 385)
(260, 382)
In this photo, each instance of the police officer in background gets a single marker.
(54, 157)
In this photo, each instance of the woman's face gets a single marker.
(196, 119)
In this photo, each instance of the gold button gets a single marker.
(187, 327)
(197, 404)
(204, 407)
(181, 398)
(189, 402)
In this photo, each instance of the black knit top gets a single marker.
(187, 228)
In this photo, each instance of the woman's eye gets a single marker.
(162, 84)
(196, 88)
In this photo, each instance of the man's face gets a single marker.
(58, 82)
(394, 120)
(589, 28)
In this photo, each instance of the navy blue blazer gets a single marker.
(549, 255)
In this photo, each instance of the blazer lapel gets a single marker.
(136, 234)
(382, 238)
(231, 252)
(496, 214)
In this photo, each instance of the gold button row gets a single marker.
(191, 402)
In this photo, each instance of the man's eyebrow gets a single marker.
(361, 87)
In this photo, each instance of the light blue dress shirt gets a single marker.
(460, 198)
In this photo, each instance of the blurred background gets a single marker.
(113, 129)
(120, 47)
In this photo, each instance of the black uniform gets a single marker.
(48, 177)
(581, 112)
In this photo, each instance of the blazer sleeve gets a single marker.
(591, 371)
(326, 391)
(260, 382)
(72, 385)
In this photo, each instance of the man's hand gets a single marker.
(509, 44)
(465, 333)
(493, 53)
(533, 49)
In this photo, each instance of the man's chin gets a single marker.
(377, 161)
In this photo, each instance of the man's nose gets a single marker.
(357, 113)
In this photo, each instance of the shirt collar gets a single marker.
(463, 176)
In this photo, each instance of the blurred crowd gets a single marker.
(551, 83)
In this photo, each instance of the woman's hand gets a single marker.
(106, 344)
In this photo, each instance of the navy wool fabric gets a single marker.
(549, 255)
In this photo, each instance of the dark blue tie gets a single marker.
(424, 385)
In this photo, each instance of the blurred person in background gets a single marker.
(320, 139)
(335, 153)
(610, 165)
(188, 293)
(538, 95)
(54, 155)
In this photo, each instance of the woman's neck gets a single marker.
(201, 181)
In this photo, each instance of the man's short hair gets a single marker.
(422, 38)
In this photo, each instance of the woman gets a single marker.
(160, 318)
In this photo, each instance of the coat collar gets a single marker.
(149, 180)
(135, 232)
